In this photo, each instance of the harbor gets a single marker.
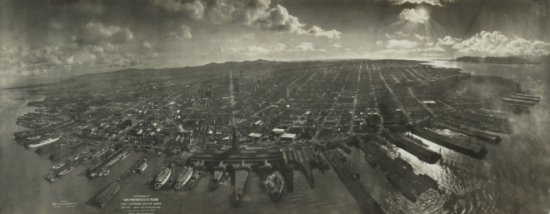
(287, 163)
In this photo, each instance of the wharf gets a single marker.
(482, 135)
(398, 168)
(354, 186)
(231, 156)
(477, 151)
(103, 163)
(415, 149)
(107, 194)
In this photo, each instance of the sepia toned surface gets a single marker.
(412, 106)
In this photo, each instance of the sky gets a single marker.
(41, 37)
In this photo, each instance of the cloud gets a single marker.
(261, 49)
(447, 41)
(256, 49)
(278, 49)
(319, 32)
(96, 33)
(420, 37)
(430, 2)
(255, 10)
(87, 6)
(183, 33)
(305, 46)
(220, 11)
(280, 20)
(401, 44)
(91, 50)
(497, 44)
(414, 16)
(193, 10)
(146, 45)
(250, 36)
(54, 24)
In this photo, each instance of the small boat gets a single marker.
(372, 161)
(162, 177)
(124, 155)
(322, 161)
(142, 165)
(50, 177)
(59, 165)
(184, 177)
(44, 142)
(104, 172)
(66, 171)
(197, 175)
(275, 185)
(87, 159)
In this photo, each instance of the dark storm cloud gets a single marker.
(97, 33)
(40, 36)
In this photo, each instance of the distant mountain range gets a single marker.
(544, 59)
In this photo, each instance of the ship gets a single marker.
(59, 165)
(34, 137)
(184, 177)
(275, 185)
(217, 176)
(104, 172)
(162, 177)
(241, 175)
(87, 159)
(322, 162)
(402, 186)
(372, 161)
(197, 175)
(117, 159)
(99, 152)
(44, 142)
(142, 165)
(341, 154)
(195, 178)
(66, 171)
(352, 170)
(124, 155)
(417, 141)
(50, 177)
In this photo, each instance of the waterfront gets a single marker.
(30, 193)
(512, 178)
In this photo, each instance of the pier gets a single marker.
(414, 148)
(353, 185)
(477, 151)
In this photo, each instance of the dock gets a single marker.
(107, 194)
(479, 134)
(423, 153)
(229, 156)
(353, 185)
(477, 151)
(238, 181)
